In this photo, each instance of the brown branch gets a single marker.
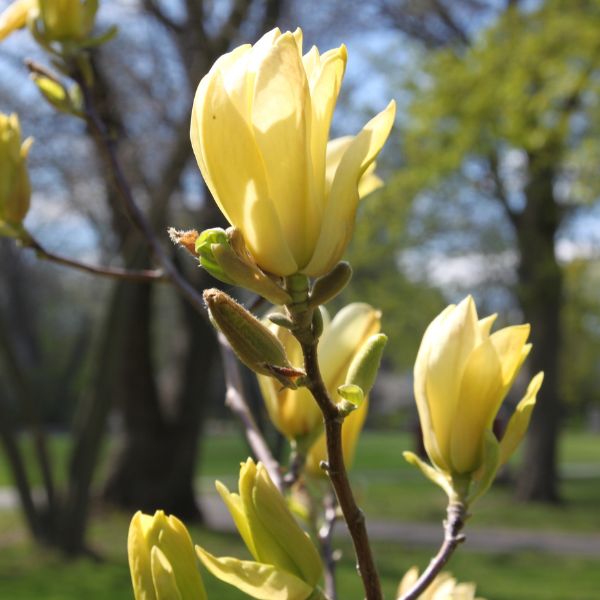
(452, 538)
(143, 276)
(234, 398)
(353, 515)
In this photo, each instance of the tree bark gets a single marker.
(540, 294)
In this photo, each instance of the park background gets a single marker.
(111, 393)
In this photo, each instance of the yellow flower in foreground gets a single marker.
(295, 412)
(260, 128)
(15, 191)
(161, 559)
(461, 376)
(443, 587)
(286, 564)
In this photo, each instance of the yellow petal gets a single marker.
(325, 80)
(342, 339)
(236, 510)
(163, 577)
(485, 325)
(519, 422)
(281, 113)
(450, 345)
(258, 580)
(340, 210)
(509, 343)
(276, 517)
(222, 139)
(481, 386)
(138, 552)
(15, 15)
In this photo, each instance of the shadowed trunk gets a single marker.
(540, 295)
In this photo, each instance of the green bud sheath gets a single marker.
(253, 343)
(365, 365)
(329, 286)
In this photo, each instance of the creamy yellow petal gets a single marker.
(138, 552)
(369, 182)
(481, 385)
(509, 343)
(325, 82)
(519, 422)
(236, 510)
(268, 549)
(350, 327)
(281, 114)
(258, 580)
(420, 387)
(163, 577)
(276, 517)
(410, 578)
(14, 16)
(340, 209)
(454, 340)
(485, 325)
(236, 176)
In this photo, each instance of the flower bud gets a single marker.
(162, 560)
(329, 286)
(286, 563)
(15, 191)
(256, 346)
(461, 376)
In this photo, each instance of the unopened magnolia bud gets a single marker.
(329, 286)
(56, 94)
(15, 191)
(280, 320)
(353, 396)
(253, 343)
(365, 365)
(317, 323)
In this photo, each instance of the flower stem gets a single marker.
(453, 525)
(302, 317)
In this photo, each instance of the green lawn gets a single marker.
(28, 573)
(387, 488)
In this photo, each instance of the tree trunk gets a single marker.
(540, 294)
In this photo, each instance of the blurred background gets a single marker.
(111, 393)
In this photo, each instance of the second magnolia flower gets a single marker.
(260, 129)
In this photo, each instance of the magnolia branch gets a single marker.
(353, 515)
(140, 276)
(452, 538)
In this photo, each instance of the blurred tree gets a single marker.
(511, 112)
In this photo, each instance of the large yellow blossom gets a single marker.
(260, 129)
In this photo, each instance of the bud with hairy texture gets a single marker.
(461, 376)
(286, 563)
(161, 559)
(260, 129)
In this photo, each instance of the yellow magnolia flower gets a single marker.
(461, 376)
(286, 564)
(161, 559)
(295, 412)
(67, 20)
(260, 128)
(62, 20)
(15, 191)
(443, 587)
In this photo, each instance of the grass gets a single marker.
(28, 573)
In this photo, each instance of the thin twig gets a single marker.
(234, 398)
(452, 538)
(141, 276)
(328, 554)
